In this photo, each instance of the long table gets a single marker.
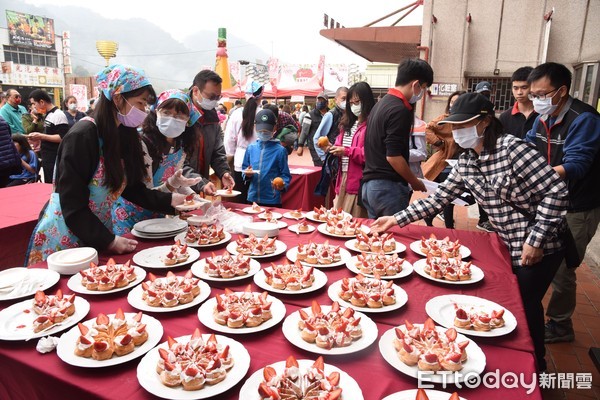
(300, 194)
(29, 374)
(19, 210)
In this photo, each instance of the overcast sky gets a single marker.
(289, 32)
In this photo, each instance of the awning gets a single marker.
(388, 44)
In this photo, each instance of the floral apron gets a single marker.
(51, 234)
(125, 214)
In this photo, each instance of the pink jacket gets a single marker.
(356, 162)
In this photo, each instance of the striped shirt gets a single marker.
(347, 142)
(514, 172)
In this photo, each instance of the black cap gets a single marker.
(467, 107)
(265, 120)
(483, 86)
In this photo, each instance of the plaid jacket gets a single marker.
(514, 172)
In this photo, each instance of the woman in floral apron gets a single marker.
(99, 160)
(167, 139)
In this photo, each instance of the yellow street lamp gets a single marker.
(107, 49)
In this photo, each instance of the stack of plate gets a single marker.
(159, 228)
(71, 261)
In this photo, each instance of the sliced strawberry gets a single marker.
(319, 363)
(171, 342)
(497, 314)
(334, 394)
(83, 329)
(407, 347)
(191, 371)
(102, 319)
(399, 333)
(196, 334)
(84, 340)
(421, 395)
(100, 346)
(120, 314)
(303, 314)
(461, 314)
(292, 362)
(126, 340)
(151, 276)
(334, 378)
(164, 354)
(429, 325)
(431, 358)
(268, 373)
(315, 307)
(454, 357)
(59, 294)
(111, 262)
(212, 339)
(451, 334)
(138, 317)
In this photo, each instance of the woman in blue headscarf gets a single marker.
(167, 139)
(99, 160)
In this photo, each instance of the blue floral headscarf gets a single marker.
(119, 78)
(178, 94)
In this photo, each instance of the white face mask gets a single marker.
(417, 97)
(467, 138)
(73, 106)
(170, 127)
(264, 136)
(342, 105)
(544, 106)
(356, 109)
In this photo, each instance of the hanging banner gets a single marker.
(30, 30)
(80, 93)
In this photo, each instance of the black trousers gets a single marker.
(242, 187)
(533, 283)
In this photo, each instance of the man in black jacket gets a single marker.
(10, 161)
(310, 124)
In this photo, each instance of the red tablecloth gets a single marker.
(29, 374)
(300, 194)
(19, 210)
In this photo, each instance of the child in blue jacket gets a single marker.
(269, 158)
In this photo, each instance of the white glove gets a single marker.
(178, 180)
(122, 245)
(177, 199)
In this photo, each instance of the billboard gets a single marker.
(30, 30)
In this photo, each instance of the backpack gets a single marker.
(329, 173)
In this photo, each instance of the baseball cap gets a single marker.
(467, 107)
(323, 95)
(265, 120)
(483, 86)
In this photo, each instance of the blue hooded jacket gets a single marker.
(271, 159)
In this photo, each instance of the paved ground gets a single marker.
(562, 357)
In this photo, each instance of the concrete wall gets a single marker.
(504, 35)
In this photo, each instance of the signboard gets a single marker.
(443, 89)
(31, 75)
(66, 45)
(80, 93)
(30, 30)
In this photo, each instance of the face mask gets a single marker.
(169, 126)
(342, 105)
(18, 101)
(72, 106)
(134, 117)
(467, 138)
(206, 104)
(417, 97)
(545, 106)
(320, 105)
(264, 136)
(356, 109)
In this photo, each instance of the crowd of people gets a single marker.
(139, 154)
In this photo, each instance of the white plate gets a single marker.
(311, 215)
(15, 315)
(476, 274)
(24, 282)
(407, 269)
(280, 248)
(225, 193)
(181, 238)
(351, 244)
(198, 270)
(288, 215)
(280, 224)
(292, 255)
(323, 229)
(475, 363)
(74, 283)
(294, 228)
(160, 225)
(401, 299)
(412, 394)
(350, 388)
(249, 210)
(205, 315)
(135, 299)
(153, 257)
(159, 236)
(189, 207)
(292, 334)
(274, 214)
(416, 247)
(149, 379)
(319, 282)
(68, 341)
(441, 309)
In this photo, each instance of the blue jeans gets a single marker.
(383, 197)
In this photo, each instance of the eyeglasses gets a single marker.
(542, 96)
(212, 97)
(17, 96)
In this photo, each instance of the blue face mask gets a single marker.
(321, 105)
(264, 136)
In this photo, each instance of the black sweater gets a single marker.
(77, 161)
